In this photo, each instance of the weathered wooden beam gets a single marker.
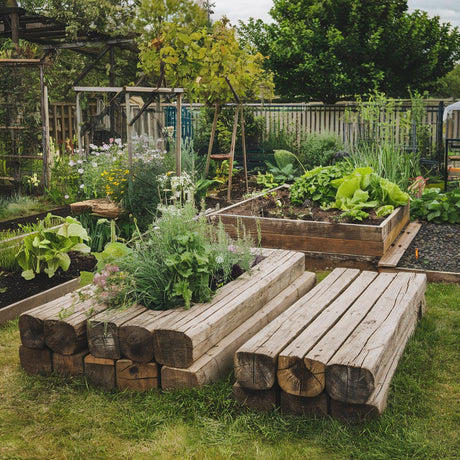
(102, 331)
(256, 361)
(183, 341)
(358, 366)
(302, 364)
(137, 376)
(261, 400)
(36, 361)
(219, 359)
(100, 371)
(298, 405)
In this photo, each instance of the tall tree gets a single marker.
(333, 49)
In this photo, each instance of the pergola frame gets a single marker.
(128, 90)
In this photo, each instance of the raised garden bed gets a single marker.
(133, 347)
(370, 240)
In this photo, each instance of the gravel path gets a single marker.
(438, 249)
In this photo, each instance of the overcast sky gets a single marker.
(448, 10)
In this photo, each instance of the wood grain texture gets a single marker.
(217, 361)
(261, 400)
(31, 323)
(136, 335)
(137, 376)
(102, 331)
(100, 371)
(361, 362)
(297, 405)
(36, 361)
(191, 334)
(396, 251)
(69, 365)
(65, 332)
(256, 360)
(302, 364)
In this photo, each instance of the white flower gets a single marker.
(94, 164)
(82, 186)
(72, 163)
(66, 197)
(219, 260)
(80, 162)
(80, 171)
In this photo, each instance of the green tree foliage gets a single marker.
(333, 49)
(111, 17)
(449, 85)
(179, 44)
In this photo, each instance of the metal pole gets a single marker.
(178, 134)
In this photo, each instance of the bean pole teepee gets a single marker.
(208, 61)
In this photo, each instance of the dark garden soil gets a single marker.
(17, 288)
(278, 205)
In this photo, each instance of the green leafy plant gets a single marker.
(319, 149)
(352, 193)
(267, 180)
(284, 170)
(437, 207)
(178, 261)
(316, 185)
(47, 250)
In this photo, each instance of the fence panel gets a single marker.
(296, 118)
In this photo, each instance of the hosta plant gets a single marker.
(47, 249)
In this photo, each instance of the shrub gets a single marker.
(319, 149)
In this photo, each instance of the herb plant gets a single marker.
(182, 259)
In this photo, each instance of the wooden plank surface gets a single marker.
(69, 365)
(100, 371)
(36, 361)
(357, 367)
(298, 405)
(301, 376)
(261, 400)
(65, 332)
(183, 341)
(377, 402)
(256, 360)
(31, 322)
(397, 250)
(219, 359)
(102, 331)
(314, 348)
(137, 376)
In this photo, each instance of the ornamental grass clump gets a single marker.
(180, 260)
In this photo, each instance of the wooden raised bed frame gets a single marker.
(317, 237)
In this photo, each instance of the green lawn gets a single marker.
(54, 418)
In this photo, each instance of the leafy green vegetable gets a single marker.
(46, 250)
(437, 207)
(351, 192)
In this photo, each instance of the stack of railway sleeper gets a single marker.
(142, 349)
(335, 350)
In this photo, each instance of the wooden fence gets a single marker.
(298, 118)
